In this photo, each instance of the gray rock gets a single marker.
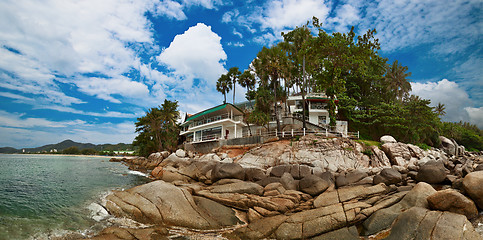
(254, 174)
(159, 202)
(279, 170)
(382, 219)
(347, 233)
(313, 185)
(237, 186)
(388, 176)
(420, 223)
(398, 153)
(387, 139)
(432, 172)
(180, 153)
(227, 170)
(289, 182)
(225, 216)
(448, 146)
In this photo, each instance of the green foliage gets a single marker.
(88, 151)
(464, 133)
(71, 150)
(223, 85)
(369, 142)
(158, 130)
(368, 152)
(423, 146)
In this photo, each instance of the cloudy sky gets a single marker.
(86, 69)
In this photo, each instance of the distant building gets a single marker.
(220, 122)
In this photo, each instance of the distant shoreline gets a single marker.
(65, 155)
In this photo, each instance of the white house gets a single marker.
(221, 122)
(317, 105)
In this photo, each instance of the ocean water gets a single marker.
(41, 195)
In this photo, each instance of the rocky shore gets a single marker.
(312, 188)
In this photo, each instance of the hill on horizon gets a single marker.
(69, 143)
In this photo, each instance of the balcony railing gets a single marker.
(215, 118)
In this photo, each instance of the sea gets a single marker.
(48, 195)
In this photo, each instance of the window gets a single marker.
(318, 105)
(298, 104)
(322, 120)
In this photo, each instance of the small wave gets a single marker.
(138, 173)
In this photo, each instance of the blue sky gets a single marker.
(86, 69)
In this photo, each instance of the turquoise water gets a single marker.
(43, 194)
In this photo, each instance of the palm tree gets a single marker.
(439, 109)
(223, 85)
(396, 80)
(247, 80)
(234, 75)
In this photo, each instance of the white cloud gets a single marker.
(450, 94)
(236, 33)
(104, 88)
(197, 53)
(280, 15)
(345, 17)
(236, 44)
(476, 116)
(15, 120)
(171, 9)
(406, 23)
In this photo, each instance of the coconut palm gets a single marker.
(223, 85)
(248, 81)
(439, 109)
(234, 75)
(396, 80)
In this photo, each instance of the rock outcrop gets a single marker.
(314, 188)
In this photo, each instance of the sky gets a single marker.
(85, 70)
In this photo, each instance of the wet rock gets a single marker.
(452, 201)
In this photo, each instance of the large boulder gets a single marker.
(432, 172)
(398, 153)
(448, 146)
(382, 219)
(236, 186)
(313, 185)
(227, 170)
(159, 202)
(388, 176)
(420, 223)
(387, 139)
(254, 174)
(473, 185)
(452, 201)
(180, 153)
(350, 178)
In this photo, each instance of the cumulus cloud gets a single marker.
(197, 53)
(456, 100)
(407, 23)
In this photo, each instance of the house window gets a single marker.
(298, 104)
(318, 105)
(322, 120)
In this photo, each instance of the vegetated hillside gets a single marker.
(8, 150)
(69, 143)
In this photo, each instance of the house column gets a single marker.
(235, 130)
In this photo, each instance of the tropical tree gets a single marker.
(396, 80)
(439, 109)
(158, 130)
(223, 85)
(248, 81)
(234, 76)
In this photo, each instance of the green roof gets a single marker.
(213, 109)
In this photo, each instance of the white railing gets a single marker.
(214, 119)
(303, 132)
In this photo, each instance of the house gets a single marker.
(317, 106)
(220, 122)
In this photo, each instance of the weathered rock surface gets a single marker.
(313, 185)
(432, 172)
(452, 201)
(398, 153)
(383, 218)
(473, 185)
(227, 170)
(160, 203)
(421, 223)
(388, 176)
(387, 139)
(149, 233)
